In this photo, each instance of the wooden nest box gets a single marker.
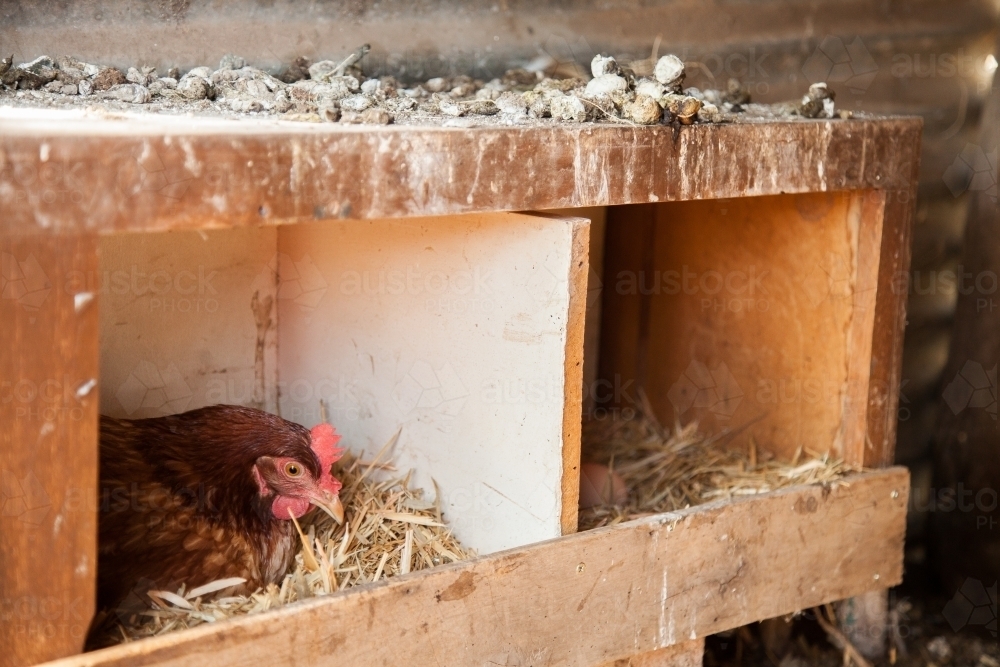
(481, 289)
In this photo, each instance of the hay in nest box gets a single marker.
(667, 470)
(389, 529)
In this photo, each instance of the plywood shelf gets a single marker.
(663, 581)
(144, 173)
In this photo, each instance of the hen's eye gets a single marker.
(293, 469)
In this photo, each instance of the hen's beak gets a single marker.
(330, 504)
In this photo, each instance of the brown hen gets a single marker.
(207, 495)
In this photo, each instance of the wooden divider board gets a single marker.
(585, 599)
(464, 333)
(48, 446)
(753, 315)
(598, 216)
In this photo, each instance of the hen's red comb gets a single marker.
(324, 444)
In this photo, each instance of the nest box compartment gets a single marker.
(378, 317)
(754, 316)
(462, 333)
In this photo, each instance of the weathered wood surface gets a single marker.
(172, 173)
(865, 222)
(686, 654)
(898, 205)
(624, 590)
(48, 447)
(776, 297)
(573, 385)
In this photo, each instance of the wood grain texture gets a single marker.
(573, 386)
(665, 580)
(595, 286)
(898, 199)
(865, 221)
(750, 315)
(172, 173)
(816, 349)
(686, 654)
(48, 447)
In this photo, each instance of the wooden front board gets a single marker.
(585, 599)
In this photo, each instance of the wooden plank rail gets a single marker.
(663, 580)
(154, 173)
(48, 446)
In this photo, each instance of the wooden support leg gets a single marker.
(864, 620)
(686, 654)
(48, 446)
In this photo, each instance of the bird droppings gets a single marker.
(390, 529)
(81, 300)
(85, 388)
(337, 91)
(668, 470)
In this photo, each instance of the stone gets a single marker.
(108, 78)
(650, 88)
(568, 107)
(194, 88)
(322, 70)
(683, 107)
(132, 93)
(669, 71)
(602, 65)
(356, 103)
(606, 84)
(366, 117)
(437, 85)
(142, 77)
(709, 113)
(643, 110)
(203, 72)
(482, 108)
(230, 61)
(512, 104)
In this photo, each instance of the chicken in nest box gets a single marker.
(206, 495)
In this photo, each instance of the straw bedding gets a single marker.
(666, 470)
(392, 529)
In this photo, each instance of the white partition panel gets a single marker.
(453, 331)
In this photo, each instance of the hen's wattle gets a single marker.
(205, 495)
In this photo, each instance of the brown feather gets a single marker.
(179, 504)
